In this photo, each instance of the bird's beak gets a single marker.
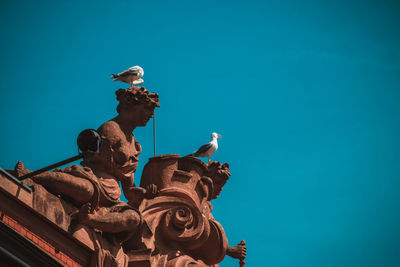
(219, 136)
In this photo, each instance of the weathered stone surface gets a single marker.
(167, 220)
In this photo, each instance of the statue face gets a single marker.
(140, 114)
(144, 113)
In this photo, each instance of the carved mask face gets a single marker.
(219, 183)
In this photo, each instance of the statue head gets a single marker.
(219, 174)
(136, 104)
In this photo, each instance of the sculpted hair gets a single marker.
(136, 96)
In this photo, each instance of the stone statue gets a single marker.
(95, 188)
(167, 220)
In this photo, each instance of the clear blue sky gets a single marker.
(305, 94)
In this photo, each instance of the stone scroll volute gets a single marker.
(178, 217)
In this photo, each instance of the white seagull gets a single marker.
(132, 76)
(208, 149)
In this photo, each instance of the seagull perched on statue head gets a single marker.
(208, 149)
(132, 76)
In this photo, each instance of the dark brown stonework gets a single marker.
(77, 216)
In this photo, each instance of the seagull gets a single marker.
(208, 149)
(132, 76)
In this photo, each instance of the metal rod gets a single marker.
(154, 133)
(53, 166)
(15, 180)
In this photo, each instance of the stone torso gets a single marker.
(119, 152)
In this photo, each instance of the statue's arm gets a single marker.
(135, 195)
(114, 151)
(132, 193)
(110, 222)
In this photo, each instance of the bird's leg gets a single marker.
(208, 158)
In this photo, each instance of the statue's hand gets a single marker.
(151, 191)
(238, 251)
(84, 213)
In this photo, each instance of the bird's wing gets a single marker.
(129, 72)
(203, 149)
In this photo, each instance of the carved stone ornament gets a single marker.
(74, 216)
